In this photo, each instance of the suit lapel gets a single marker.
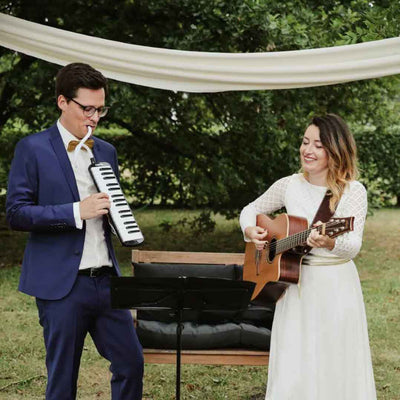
(58, 146)
(97, 151)
(101, 154)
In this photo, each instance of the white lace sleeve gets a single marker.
(353, 203)
(272, 200)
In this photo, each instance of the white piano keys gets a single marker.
(121, 215)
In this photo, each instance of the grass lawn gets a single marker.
(22, 369)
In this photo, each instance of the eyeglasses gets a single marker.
(89, 111)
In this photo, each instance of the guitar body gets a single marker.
(265, 266)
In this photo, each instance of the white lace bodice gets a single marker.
(302, 199)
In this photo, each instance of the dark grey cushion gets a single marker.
(147, 270)
(258, 315)
(207, 329)
(153, 334)
(254, 337)
(144, 270)
(255, 315)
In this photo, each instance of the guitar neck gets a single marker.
(298, 239)
(334, 227)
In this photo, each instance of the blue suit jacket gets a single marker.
(40, 196)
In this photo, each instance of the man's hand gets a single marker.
(316, 239)
(257, 235)
(94, 206)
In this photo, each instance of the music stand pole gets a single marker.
(179, 294)
(179, 329)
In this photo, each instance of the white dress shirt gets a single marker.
(95, 252)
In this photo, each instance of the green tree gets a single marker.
(218, 150)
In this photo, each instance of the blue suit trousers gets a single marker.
(66, 322)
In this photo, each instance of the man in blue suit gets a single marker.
(69, 256)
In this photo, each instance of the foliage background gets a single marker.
(213, 151)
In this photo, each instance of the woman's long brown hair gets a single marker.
(340, 145)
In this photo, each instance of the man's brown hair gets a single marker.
(78, 75)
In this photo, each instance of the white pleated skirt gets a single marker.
(319, 342)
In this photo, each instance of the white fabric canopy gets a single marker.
(192, 71)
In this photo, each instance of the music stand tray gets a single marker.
(179, 294)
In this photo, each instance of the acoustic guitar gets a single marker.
(281, 258)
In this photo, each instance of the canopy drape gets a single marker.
(192, 71)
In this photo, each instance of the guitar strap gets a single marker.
(324, 214)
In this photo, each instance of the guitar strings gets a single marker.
(297, 238)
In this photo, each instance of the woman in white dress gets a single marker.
(319, 341)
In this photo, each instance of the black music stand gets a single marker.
(178, 294)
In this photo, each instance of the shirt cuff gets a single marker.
(77, 216)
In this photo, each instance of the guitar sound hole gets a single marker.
(271, 251)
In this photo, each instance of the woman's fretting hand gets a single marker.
(316, 239)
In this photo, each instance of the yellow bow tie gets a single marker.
(73, 143)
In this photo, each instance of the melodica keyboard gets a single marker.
(121, 215)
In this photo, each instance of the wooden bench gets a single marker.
(209, 357)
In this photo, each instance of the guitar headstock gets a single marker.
(337, 226)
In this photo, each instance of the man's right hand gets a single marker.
(257, 235)
(94, 206)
